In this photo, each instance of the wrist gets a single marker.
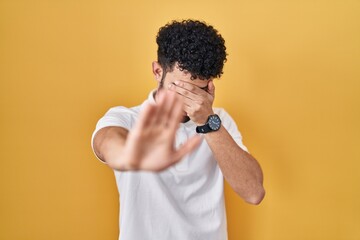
(204, 119)
(212, 124)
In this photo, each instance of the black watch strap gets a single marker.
(203, 129)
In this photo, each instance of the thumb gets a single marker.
(189, 146)
(211, 88)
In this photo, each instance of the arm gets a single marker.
(150, 144)
(108, 145)
(239, 168)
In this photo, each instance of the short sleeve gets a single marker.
(231, 127)
(114, 117)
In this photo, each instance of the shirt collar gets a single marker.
(149, 100)
(151, 97)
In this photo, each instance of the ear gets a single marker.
(157, 71)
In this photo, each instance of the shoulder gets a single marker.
(231, 126)
(223, 114)
(119, 116)
(121, 110)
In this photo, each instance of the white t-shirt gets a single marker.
(183, 202)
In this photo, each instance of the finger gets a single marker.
(189, 146)
(146, 116)
(211, 88)
(190, 106)
(197, 90)
(188, 102)
(166, 108)
(175, 116)
(187, 93)
(187, 109)
(160, 101)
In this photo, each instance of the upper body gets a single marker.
(184, 201)
(147, 149)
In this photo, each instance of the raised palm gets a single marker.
(150, 145)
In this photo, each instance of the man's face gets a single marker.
(176, 75)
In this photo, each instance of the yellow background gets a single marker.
(292, 83)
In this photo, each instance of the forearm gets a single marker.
(239, 168)
(108, 145)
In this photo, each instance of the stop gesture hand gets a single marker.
(150, 145)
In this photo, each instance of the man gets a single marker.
(170, 174)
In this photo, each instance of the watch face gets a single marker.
(214, 122)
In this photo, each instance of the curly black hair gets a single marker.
(194, 45)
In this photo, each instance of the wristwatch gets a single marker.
(213, 124)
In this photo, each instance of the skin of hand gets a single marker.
(197, 101)
(150, 144)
